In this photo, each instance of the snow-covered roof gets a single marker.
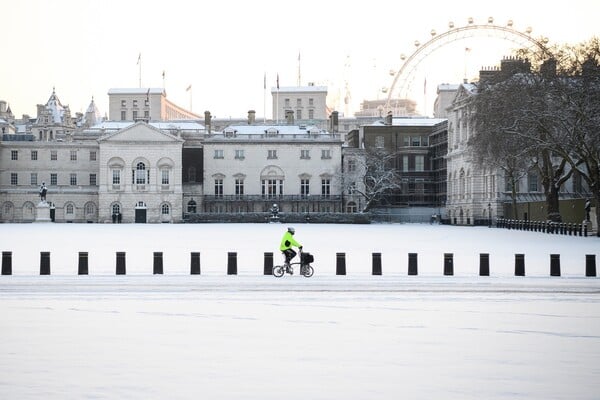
(447, 87)
(2, 121)
(163, 125)
(136, 90)
(300, 89)
(408, 121)
(281, 129)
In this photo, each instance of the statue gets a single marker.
(275, 213)
(588, 206)
(43, 191)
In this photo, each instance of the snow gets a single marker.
(250, 336)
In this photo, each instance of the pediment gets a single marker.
(140, 132)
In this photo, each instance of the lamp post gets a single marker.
(489, 215)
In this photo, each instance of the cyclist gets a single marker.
(287, 242)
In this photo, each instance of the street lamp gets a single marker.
(489, 215)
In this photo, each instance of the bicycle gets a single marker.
(306, 269)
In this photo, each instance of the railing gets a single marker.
(559, 228)
(277, 198)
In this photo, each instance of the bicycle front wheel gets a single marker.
(278, 271)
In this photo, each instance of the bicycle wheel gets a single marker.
(308, 271)
(278, 271)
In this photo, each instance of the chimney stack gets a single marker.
(251, 117)
(207, 122)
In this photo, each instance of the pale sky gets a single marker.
(224, 48)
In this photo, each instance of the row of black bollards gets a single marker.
(377, 264)
(561, 228)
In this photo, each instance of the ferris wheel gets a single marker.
(403, 78)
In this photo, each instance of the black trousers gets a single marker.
(289, 254)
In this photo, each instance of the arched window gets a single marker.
(140, 174)
(165, 209)
(191, 207)
(116, 208)
(70, 209)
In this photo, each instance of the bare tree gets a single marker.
(373, 176)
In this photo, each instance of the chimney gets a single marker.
(334, 121)
(388, 118)
(251, 117)
(289, 117)
(207, 122)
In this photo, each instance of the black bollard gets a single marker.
(448, 264)
(519, 264)
(413, 268)
(45, 263)
(158, 263)
(340, 264)
(484, 264)
(268, 264)
(232, 263)
(554, 264)
(82, 267)
(195, 263)
(121, 263)
(7, 263)
(590, 265)
(376, 264)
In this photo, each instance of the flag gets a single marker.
(188, 88)
(139, 59)
(278, 81)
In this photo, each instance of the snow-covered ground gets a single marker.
(250, 336)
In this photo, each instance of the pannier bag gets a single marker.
(307, 258)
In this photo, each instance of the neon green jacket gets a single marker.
(288, 241)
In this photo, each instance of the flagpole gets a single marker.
(140, 68)
(277, 102)
(265, 99)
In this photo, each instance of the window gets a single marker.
(425, 141)
(272, 154)
(73, 179)
(305, 154)
(351, 207)
(415, 141)
(165, 209)
(14, 180)
(146, 103)
(92, 179)
(298, 102)
(269, 187)
(135, 103)
(34, 155)
(406, 141)
(325, 154)
(116, 209)
(73, 156)
(90, 209)
(219, 154)
(14, 155)
(147, 114)
(140, 174)
(192, 174)
(311, 114)
(53, 179)
(123, 103)
(70, 209)
(218, 187)
(164, 176)
(92, 155)
(311, 102)
(239, 187)
(286, 103)
(53, 155)
(405, 163)
(304, 187)
(191, 207)
(123, 115)
(419, 163)
(351, 165)
(116, 176)
(33, 179)
(532, 180)
(298, 114)
(379, 142)
(325, 187)
(134, 115)
(239, 154)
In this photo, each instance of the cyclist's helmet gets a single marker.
(291, 230)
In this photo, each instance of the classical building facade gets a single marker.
(247, 168)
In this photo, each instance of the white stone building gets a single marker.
(247, 168)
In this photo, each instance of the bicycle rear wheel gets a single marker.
(307, 271)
